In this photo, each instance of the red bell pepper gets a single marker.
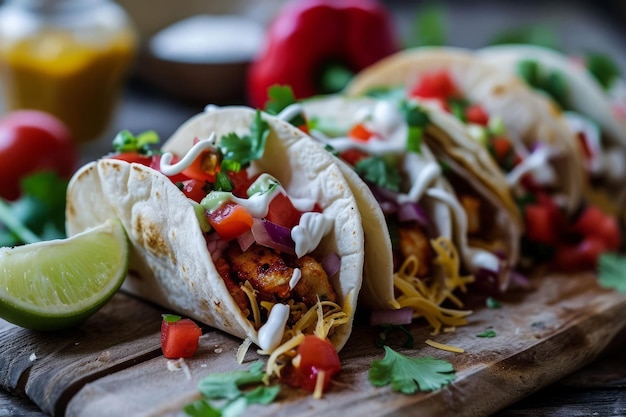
(308, 36)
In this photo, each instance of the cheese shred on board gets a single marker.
(426, 299)
(442, 346)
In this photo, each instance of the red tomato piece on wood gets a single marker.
(179, 339)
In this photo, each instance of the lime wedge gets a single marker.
(57, 284)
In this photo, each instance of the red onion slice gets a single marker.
(409, 212)
(331, 264)
(245, 240)
(273, 236)
(397, 317)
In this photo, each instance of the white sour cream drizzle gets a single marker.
(537, 164)
(295, 278)
(271, 333)
(308, 234)
(168, 169)
(590, 131)
(473, 257)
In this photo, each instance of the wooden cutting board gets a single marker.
(112, 365)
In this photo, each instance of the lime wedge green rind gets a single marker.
(57, 284)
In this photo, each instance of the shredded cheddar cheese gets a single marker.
(251, 293)
(425, 299)
(442, 346)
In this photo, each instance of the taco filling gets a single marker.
(551, 235)
(264, 243)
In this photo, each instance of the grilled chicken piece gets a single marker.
(414, 241)
(265, 269)
(471, 205)
(314, 282)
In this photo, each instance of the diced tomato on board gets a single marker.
(179, 339)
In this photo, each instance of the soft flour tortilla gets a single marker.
(528, 117)
(584, 96)
(445, 138)
(170, 264)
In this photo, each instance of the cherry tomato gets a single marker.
(437, 84)
(581, 256)
(282, 212)
(540, 224)
(33, 141)
(316, 358)
(593, 222)
(179, 339)
(353, 156)
(230, 220)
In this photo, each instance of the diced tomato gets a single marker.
(476, 114)
(230, 220)
(501, 148)
(540, 224)
(303, 127)
(437, 84)
(353, 156)
(360, 132)
(584, 146)
(179, 339)
(132, 157)
(581, 256)
(593, 222)
(282, 211)
(316, 358)
(204, 167)
(194, 190)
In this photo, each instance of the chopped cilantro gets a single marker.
(224, 394)
(222, 182)
(612, 271)
(125, 141)
(247, 148)
(39, 214)
(387, 330)
(487, 333)
(552, 83)
(281, 97)
(604, 69)
(493, 303)
(171, 318)
(414, 139)
(380, 170)
(410, 375)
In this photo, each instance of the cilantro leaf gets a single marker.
(125, 141)
(409, 375)
(493, 303)
(612, 271)
(281, 97)
(201, 408)
(379, 170)
(247, 148)
(604, 69)
(39, 214)
(227, 384)
(487, 333)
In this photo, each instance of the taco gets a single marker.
(587, 110)
(525, 134)
(446, 228)
(254, 231)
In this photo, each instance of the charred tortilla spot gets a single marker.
(149, 235)
(85, 173)
(69, 207)
(499, 90)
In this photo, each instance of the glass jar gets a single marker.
(67, 57)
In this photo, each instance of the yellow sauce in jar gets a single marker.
(79, 82)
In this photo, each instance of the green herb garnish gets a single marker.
(493, 303)
(487, 333)
(604, 69)
(249, 147)
(410, 375)
(125, 141)
(281, 97)
(225, 394)
(171, 318)
(380, 170)
(612, 271)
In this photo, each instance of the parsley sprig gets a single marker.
(225, 394)
(410, 375)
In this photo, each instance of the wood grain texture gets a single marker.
(117, 367)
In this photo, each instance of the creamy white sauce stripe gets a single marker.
(295, 278)
(196, 150)
(473, 257)
(308, 234)
(537, 164)
(271, 333)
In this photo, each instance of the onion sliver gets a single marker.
(331, 264)
(398, 317)
(245, 240)
(273, 236)
(409, 212)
